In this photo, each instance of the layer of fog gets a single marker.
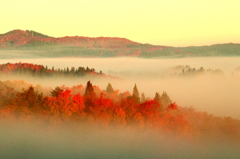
(34, 140)
(219, 95)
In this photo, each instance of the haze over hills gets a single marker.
(30, 44)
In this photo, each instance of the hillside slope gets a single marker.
(23, 44)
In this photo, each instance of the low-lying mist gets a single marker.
(215, 94)
(35, 140)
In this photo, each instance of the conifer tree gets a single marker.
(72, 71)
(67, 70)
(26, 102)
(143, 98)
(89, 97)
(109, 88)
(135, 94)
(165, 100)
(89, 90)
(88, 70)
(157, 97)
(55, 92)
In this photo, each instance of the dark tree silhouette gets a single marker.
(109, 88)
(89, 96)
(135, 94)
(89, 92)
(157, 97)
(55, 92)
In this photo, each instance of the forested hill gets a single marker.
(28, 69)
(110, 109)
(30, 44)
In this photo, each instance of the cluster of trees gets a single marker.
(228, 49)
(188, 71)
(41, 71)
(34, 33)
(107, 108)
(89, 104)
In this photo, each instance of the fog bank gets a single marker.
(218, 95)
(33, 140)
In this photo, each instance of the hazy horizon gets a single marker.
(169, 23)
(142, 42)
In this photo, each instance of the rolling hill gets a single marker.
(31, 44)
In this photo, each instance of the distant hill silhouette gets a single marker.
(33, 44)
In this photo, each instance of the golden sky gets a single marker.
(161, 22)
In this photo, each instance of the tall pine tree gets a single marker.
(135, 94)
(109, 88)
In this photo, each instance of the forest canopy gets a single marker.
(108, 108)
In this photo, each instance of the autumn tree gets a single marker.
(65, 106)
(29, 98)
(78, 89)
(26, 103)
(130, 107)
(149, 109)
(102, 110)
(6, 93)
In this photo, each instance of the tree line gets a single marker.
(44, 71)
(108, 108)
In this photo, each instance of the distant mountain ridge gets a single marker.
(20, 37)
(33, 44)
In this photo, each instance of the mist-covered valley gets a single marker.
(215, 93)
(203, 123)
(36, 140)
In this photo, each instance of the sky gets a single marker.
(159, 22)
